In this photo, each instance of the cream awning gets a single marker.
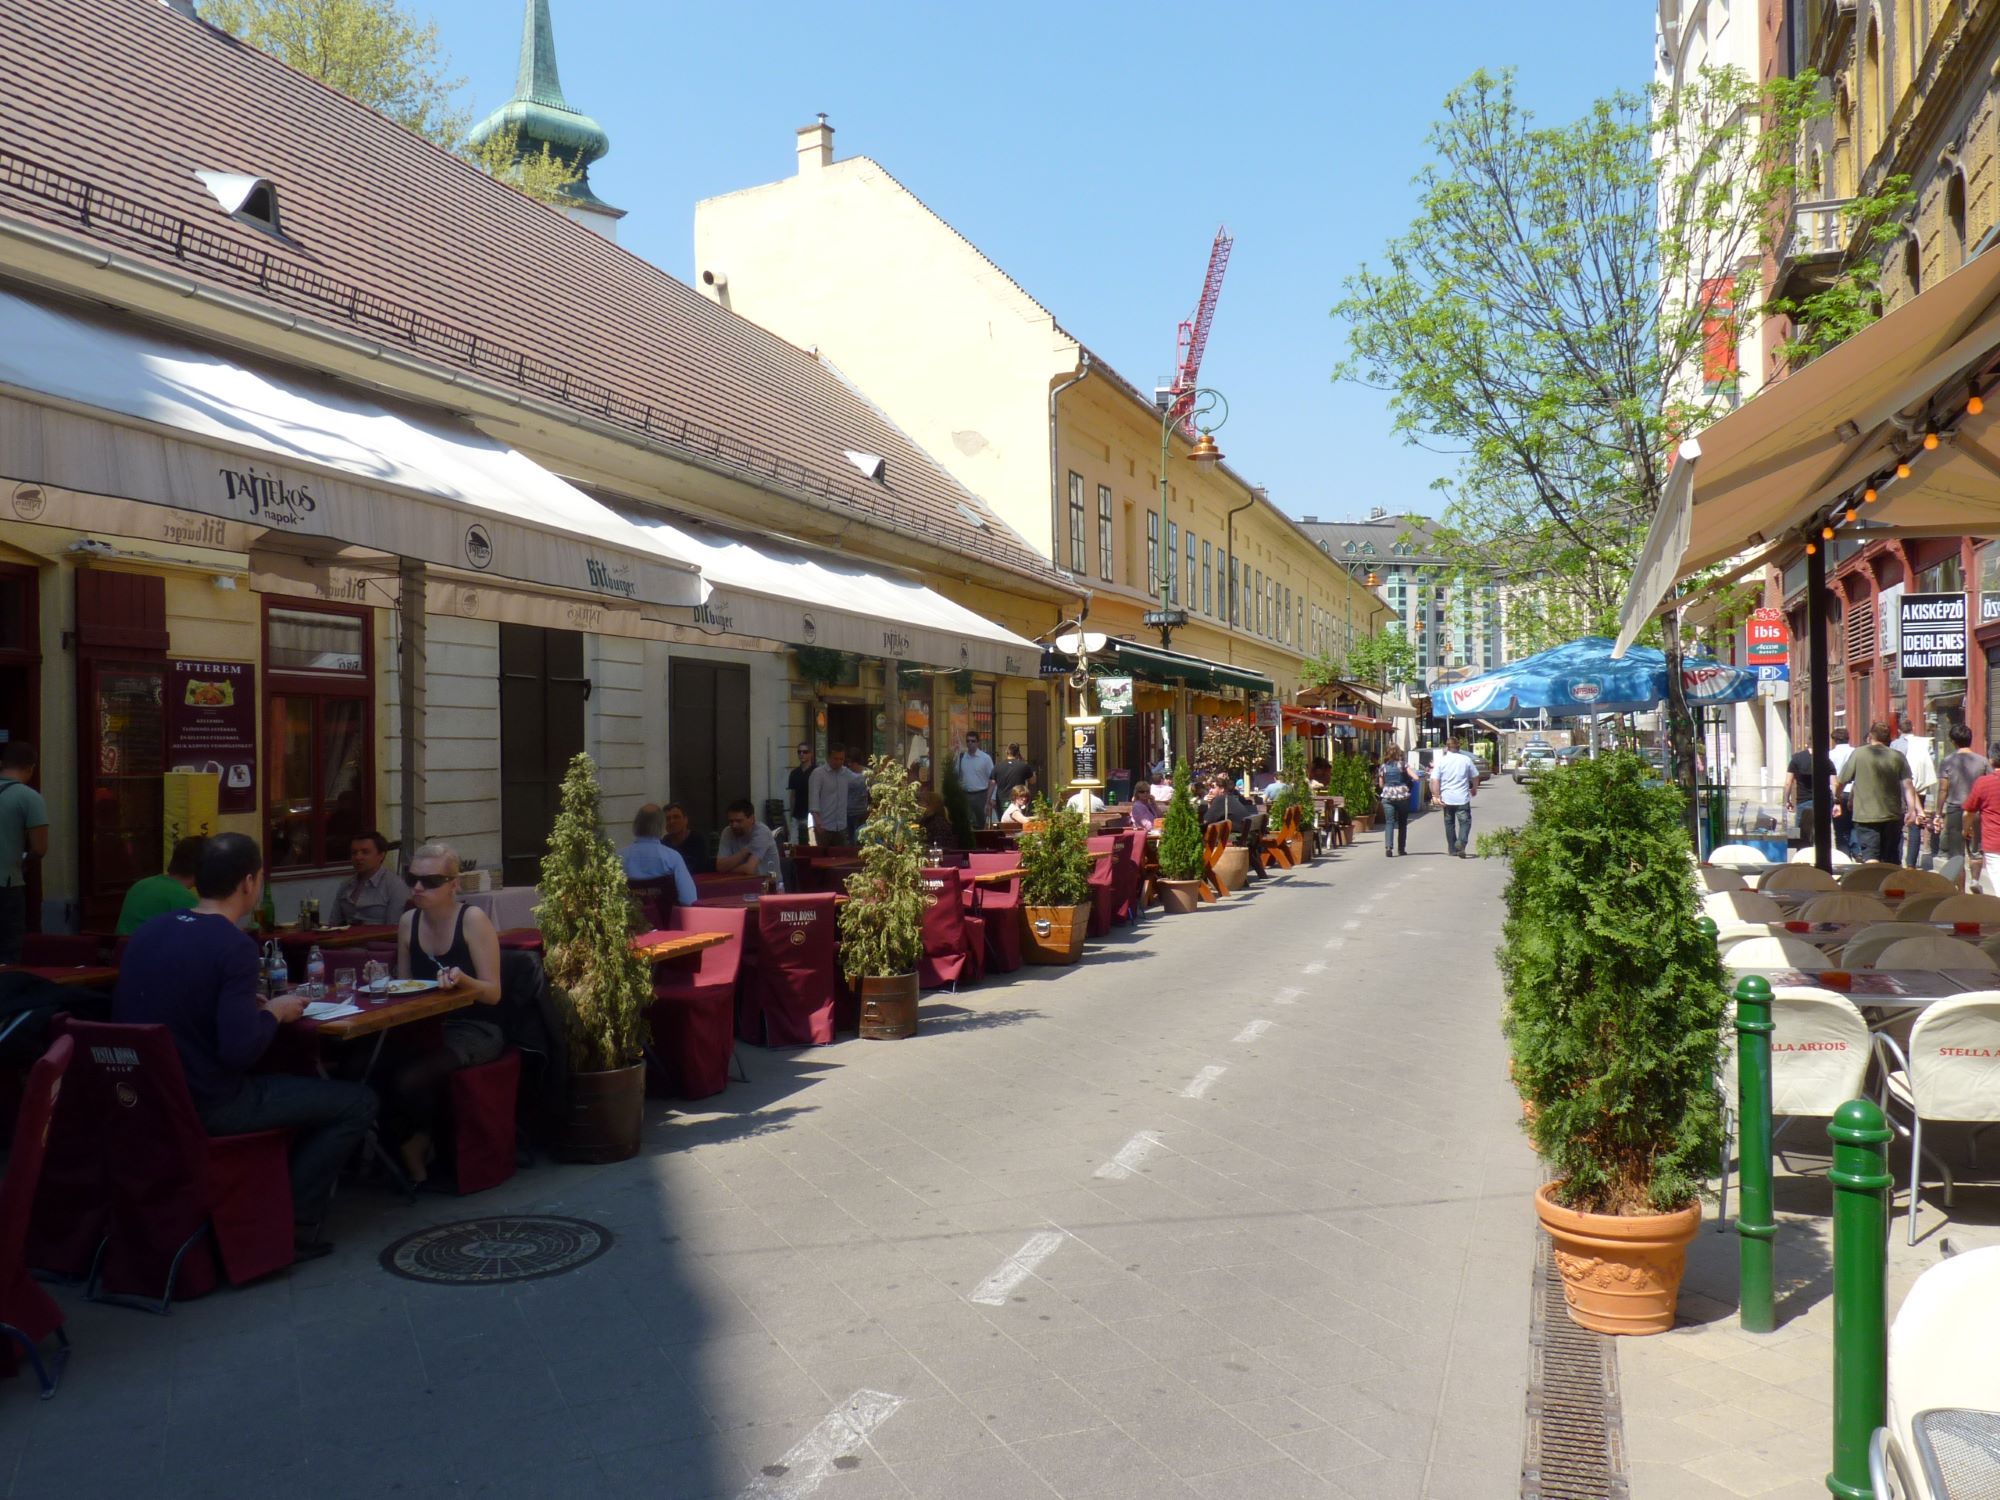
(96, 414)
(1810, 439)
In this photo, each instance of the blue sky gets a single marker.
(1091, 151)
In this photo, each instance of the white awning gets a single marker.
(792, 597)
(105, 412)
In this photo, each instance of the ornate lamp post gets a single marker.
(1205, 411)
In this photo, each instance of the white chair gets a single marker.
(1936, 953)
(1865, 947)
(1867, 878)
(1741, 906)
(1770, 952)
(1708, 878)
(1919, 908)
(1951, 1072)
(1797, 878)
(1738, 857)
(1806, 855)
(1918, 883)
(1844, 906)
(1967, 909)
(1729, 934)
(1940, 1360)
(1819, 1060)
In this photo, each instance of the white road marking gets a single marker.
(1199, 1085)
(1351, 926)
(1018, 1267)
(1254, 1030)
(1335, 942)
(1287, 996)
(1317, 966)
(814, 1456)
(1129, 1156)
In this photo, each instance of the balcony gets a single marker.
(1814, 246)
(1827, 26)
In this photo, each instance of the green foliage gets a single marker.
(1383, 659)
(543, 175)
(1236, 745)
(588, 917)
(882, 924)
(1298, 791)
(1854, 300)
(1055, 860)
(957, 801)
(1614, 999)
(1180, 831)
(1354, 779)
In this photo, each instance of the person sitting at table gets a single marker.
(747, 847)
(1144, 811)
(442, 939)
(157, 895)
(647, 857)
(1018, 810)
(936, 822)
(1085, 801)
(681, 837)
(1226, 805)
(197, 973)
(376, 895)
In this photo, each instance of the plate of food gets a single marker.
(392, 988)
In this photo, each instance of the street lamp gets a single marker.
(1372, 581)
(1204, 410)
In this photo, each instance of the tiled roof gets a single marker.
(1384, 534)
(112, 106)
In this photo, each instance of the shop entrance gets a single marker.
(708, 738)
(542, 694)
(850, 727)
(21, 685)
(121, 637)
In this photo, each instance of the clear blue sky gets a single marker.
(1091, 150)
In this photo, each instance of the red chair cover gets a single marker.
(483, 1101)
(656, 899)
(999, 907)
(528, 939)
(694, 1011)
(1103, 890)
(71, 1205)
(798, 947)
(948, 947)
(728, 885)
(27, 1313)
(1129, 875)
(167, 1178)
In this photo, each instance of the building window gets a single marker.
(1153, 552)
(1192, 574)
(1104, 532)
(1076, 559)
(1235, 603)
(1207, 578)
(1172, 579)
(319, 706)
(1258, 603)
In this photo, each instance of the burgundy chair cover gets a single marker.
(27, 1313)
(167, 1178)
(483, 1101)
(693, 1015)
(72, 1208)
(999, 909)
(949, 946)
(1103, 890)
(66, 950)
(1129, 876)
(528, 939)
(656, 900)
(798, 947)
(728, 885)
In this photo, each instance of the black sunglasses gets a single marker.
(431, 882)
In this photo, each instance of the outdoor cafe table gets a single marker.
(1837, 934)
(301, 940)
(661, 946)
(1887, 989)
(86, 976)
(991, 877)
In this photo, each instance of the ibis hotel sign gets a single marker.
(1931, 630)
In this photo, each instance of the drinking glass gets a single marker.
(373, 973)
(343, 985)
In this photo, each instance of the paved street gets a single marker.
(1236, 1209)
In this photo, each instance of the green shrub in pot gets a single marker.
(1055, 858)
(1180, 830)
(882, 924)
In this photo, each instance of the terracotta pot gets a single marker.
(889, 1007)
(1178, 897)
(1621, 1274)
(603, 1115)
(1364, 822)
(1232, 868)
(1053, 934)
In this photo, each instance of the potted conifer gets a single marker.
(1055, 885)
(1615, 1003)
(602, 986)
(882, 924)
(1180, 847)
(1297, 794)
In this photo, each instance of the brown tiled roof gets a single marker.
(113, 105)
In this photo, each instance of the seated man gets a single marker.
(1085, 801)
(691, 846)
(196, 973)
(157, 895)
(1226, 805)
(376, 896)
(647, 857)
(747, 846)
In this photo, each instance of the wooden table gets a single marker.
(86, 976)
(1900, 989)
(659, 946)
(992, 877)
(356, 936)
(391, 1010)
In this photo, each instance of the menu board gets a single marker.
(212, 726)
(1086, 738)
(128, 722)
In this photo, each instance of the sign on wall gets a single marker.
(1114, 696)
(1931, 633)
(1086, 738)
(211, 711)
(1767, 639)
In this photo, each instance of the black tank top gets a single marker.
(457, 956)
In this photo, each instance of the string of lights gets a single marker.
(1851, 508)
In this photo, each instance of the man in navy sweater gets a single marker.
(196, 973)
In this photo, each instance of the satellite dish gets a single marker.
(1086, 642)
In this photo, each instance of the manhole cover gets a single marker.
(483, 1252)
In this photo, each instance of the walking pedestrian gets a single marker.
(24, 835)
(1956, 776)
(975, 774)
(827, 798)
(798, 786)
(1884, 798)
(1982, 821)
(1843, 810)
(1454, 783)
(1394, 788)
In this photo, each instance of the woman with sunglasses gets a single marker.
(441, 938)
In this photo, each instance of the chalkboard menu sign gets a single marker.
(1086, 739)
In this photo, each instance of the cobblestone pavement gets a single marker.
(1237, 1208)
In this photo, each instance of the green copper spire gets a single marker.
(541, 116)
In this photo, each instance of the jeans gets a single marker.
(327, 1119)
(976, 801)
(1395, 827)
(1952, 843)
(1913, 843)
(1807, 825)
(1458, 827)
(13, 922)
(1879, 841)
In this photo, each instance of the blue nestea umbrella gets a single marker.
(1582, 678)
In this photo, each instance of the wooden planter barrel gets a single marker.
(603, 1116)
(1053, 934)
(889, 1007)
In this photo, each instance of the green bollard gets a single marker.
(1861, 1187)
(1755, 1226)
(1707, 928)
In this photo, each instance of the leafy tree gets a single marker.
(1550, 319)
(588, 917)
(1384, 658)
(882, 924)
(1180, 832)
(1235, 745)
(542, 175)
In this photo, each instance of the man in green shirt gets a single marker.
(24, 835)
(157, 895)
(1884, 797)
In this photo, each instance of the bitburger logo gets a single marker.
(478, 547)
(29, 501)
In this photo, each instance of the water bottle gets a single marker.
(316, 971)
(277, 975)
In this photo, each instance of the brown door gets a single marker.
(1037, 748)
(542, 696)
(848, 727)
(21, 685)
(708, 738)
(121, 637)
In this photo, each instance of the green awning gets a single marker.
(1177, 669)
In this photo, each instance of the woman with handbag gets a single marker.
(1393, 788)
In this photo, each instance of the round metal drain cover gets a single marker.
(485, 1252)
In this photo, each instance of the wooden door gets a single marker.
(21, 685)
(1037, 748)
(121, 637)
(543, 691)
(708, 738)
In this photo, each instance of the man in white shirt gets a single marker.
(1455, 782)
(1085, 801)
(826, 797)
(746, 847)
(1843, 821)
(975, 774)
(1919, 750)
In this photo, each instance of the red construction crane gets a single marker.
(1193, 337)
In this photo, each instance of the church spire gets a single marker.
(541, 116)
